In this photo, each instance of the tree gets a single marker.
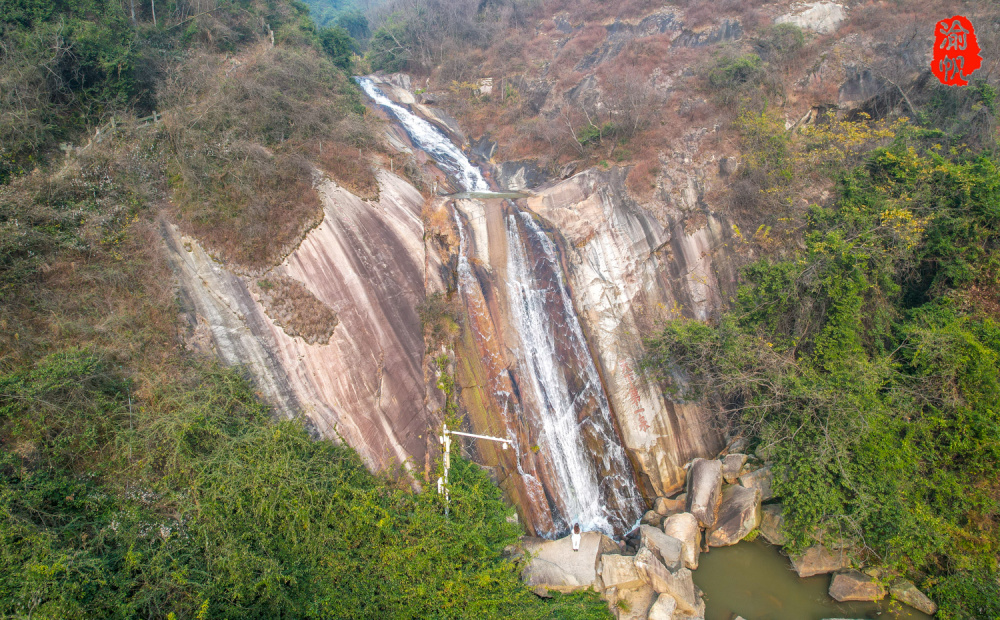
(339, 46)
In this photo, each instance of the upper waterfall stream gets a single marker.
(557, 391)
(431, 140)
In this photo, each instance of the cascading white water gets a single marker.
(532, 306)
(599, 498)
(431, 140)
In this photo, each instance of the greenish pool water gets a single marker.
(753, 580)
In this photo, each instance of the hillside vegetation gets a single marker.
(136, 479)
(859, 351)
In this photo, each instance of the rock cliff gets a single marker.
(366, 261)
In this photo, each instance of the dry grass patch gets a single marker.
(241, 142)
(294, 308)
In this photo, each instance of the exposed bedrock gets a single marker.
(527, 372)
(366, 261)
(627, 271)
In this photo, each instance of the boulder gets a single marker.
(759, 479)
(908, 593)
(678, 585)
(631, 603)
(855, 586)
(666, 548)
(651, 517)
(684, 527)
(555, 566)
(817, 560)
(732, 467)
(771, 522)
(663, 608)
(739, 514)
(667, 507)
(705, 490)
(618, 571)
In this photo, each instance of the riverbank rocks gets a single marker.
(679, 585)
(619, 571)
(663, 608)
(760, 479)
(555, 566)
(771, 522)
(705, 491)
(667, 507)
(817, 560)
(666, 548)
(855, 586)
(631, 603)
(684, 527)
(906, 592)
(651, 517)
(732, 467)
(739, 514)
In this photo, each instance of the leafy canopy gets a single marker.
(867, 368)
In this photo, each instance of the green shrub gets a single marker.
(867, 368)
(193, 501)
(339, 46)
(778, 41)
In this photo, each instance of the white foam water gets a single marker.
(584, 492)
(532, 303)
(431, 140)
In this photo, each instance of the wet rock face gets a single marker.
(626, 270)
(527, 372)
(518, 175)
(667, 507)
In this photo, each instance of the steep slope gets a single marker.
(366, 261)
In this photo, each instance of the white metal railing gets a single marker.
(445, 440)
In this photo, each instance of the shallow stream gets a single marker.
(753, 580)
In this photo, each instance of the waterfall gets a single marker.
(592, 478)
(431, 140)
(544, 317)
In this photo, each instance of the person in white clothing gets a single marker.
(576, 537)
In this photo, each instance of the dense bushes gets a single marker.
(66, 67)
(193, 504)
(866, 367)
(62, 65)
